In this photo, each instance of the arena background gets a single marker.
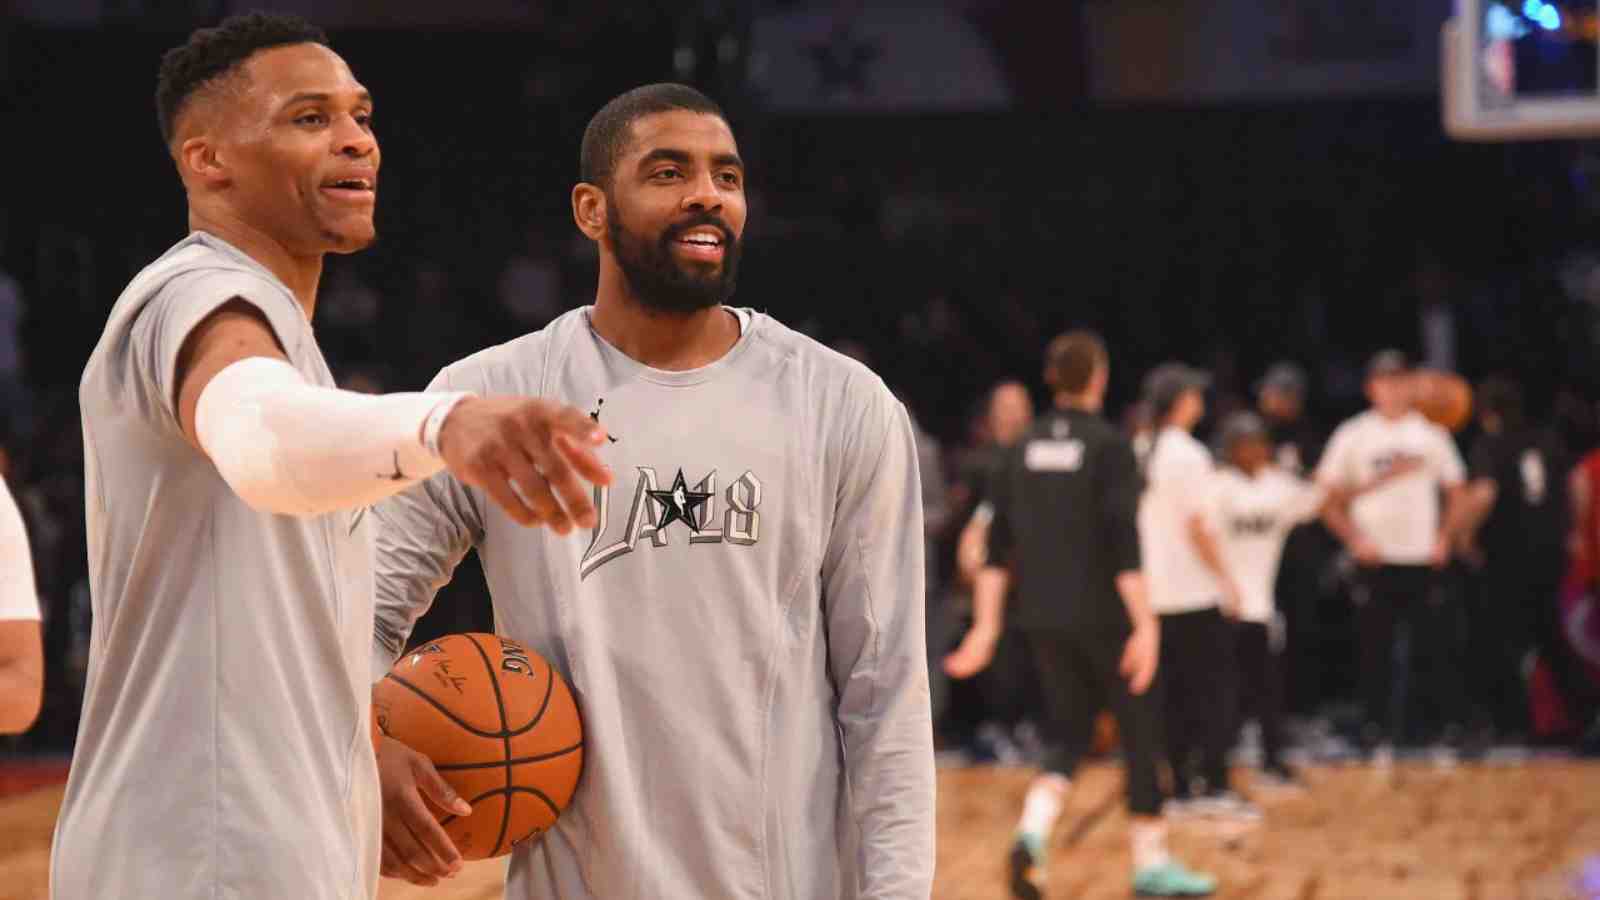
(936, 186)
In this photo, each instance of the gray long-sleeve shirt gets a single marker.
(744, 628)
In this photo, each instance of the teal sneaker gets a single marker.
(1172, 879)
(1027, 867)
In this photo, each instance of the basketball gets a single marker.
(1444, 398)
(501, 727)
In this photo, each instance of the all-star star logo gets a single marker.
(678, 503)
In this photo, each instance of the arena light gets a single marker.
(1500, 23)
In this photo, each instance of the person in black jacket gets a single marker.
(1064, 533)
(1517, 497)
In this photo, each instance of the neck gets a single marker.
(1392, 413)
(669, 341)
(1079, 402)
(299, 273)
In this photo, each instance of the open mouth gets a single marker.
(358, 188)
(703, 242)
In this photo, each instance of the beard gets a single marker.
(660, 282)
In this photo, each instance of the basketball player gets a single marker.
(1064, 513)
(1194, 593)
(21, 644)
(1400, 540)
(225, 748)
(743, 624)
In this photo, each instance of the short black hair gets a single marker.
(211, 53)
(607, 133)
(1072, 359)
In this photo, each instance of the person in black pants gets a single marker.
(1064, 512)
(1401, 540)
(1521, 514)
(1258, 505)
(1195, 594)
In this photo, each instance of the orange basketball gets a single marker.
(1444, 397)
(498, 723)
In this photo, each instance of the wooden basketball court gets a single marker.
(1483, 832)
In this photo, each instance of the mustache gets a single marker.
(696, 221)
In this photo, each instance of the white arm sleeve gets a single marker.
(296, 449)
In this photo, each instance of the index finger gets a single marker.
(583, 460)
(576, 499)
(414, 815)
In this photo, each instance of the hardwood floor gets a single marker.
(1485, 832)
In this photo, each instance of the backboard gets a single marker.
(1520, 70)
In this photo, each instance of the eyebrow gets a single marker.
(683, 157)
(320, 97)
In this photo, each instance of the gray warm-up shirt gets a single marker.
(744, 628)
(224, 751)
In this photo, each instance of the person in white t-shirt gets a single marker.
(1256, 504)
(1400, 539)
(21, 646)
(1191, 589)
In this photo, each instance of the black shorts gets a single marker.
(1079, 676)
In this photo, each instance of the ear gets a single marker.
(198, 159)
(589, 210)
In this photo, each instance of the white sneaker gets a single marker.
(1279, 780)
(1382, 757)
(1231, 806)
(1177, 809)
(1444, 756)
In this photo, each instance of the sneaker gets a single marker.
(1382, 757)
(1278, 778)
(1029, 741)
(1172, 879)
(1444, 756)
(1178, 808)
(1588, 746)
(1027, 864)
(994, 743)
(1229, 805)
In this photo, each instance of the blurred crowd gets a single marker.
(1498, 652)
(387, 328)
